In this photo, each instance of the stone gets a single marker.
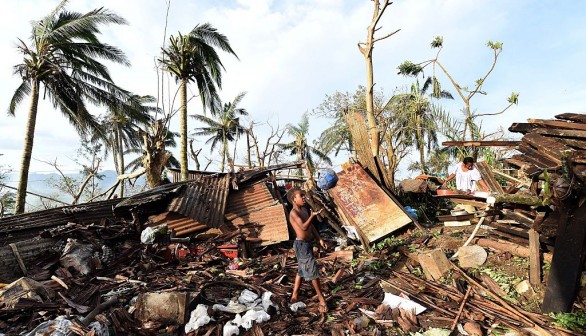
(472, 256)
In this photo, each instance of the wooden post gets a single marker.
(567, 262)
(534, 258)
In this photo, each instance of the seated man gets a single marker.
(466, 176)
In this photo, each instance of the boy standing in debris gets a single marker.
(300, 219)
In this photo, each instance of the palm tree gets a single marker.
(64, 60)
(193, 58)
(154, 156)
(300, 147)
(224, 128)
(414, 113)
(121, 126)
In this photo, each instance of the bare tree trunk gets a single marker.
(224, 153)
(183, 131)
(420, 145)
(28, 149)
(120, 161)
(366, 51)
(248, 157)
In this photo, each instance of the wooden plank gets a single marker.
(522, 127)
(371, 209)
(563, 133)
(558, 124)
(566, 266)
(551, 147)
(468, 202)
(534, 258)
(488, 177)
(502, 143)
(520, 218)
(577, 117)
(537, 158)
(527, 168)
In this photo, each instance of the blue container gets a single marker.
(327, 178)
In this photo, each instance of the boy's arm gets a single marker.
(296, 220)
(318, 237)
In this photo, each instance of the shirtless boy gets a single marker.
(305, 231)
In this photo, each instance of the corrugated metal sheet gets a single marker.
(255, 204)
(28, 225)
(181, 224)
(191, 174)
(203, 200)
(368, 207)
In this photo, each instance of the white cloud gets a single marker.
(292, 53)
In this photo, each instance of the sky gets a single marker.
(292, 53)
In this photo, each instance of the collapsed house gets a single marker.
(84, 269)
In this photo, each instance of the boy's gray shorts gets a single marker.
(307, 267)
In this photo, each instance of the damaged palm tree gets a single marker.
(155, 156)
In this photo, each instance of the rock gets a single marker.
(155, 309)
(471, 256)
(524, 288)
(473, 329)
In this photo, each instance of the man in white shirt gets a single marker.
(467, 177)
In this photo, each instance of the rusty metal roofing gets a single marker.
(203, 200)
(366, 205)
(251, 174)
(180, 224)
(28, 225)
(255, 204)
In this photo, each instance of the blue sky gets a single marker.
(294, 52)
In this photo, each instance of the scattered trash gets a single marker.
(149, 234)
(297, 305)
(199, 317)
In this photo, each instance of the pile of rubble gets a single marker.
(213, 256)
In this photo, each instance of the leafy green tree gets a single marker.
(156, 139)
(64, 59)
(466, 93)
(224, 127)
(6, 197)
(300, 146)
(121, 126)
(415, 112)
(193, 58)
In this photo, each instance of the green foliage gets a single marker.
(497, 46)
(505, 281)
(388, 243)
(573, 321)
(513, 98)
(437, 42)
(409, 68)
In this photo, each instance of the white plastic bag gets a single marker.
(199, 317)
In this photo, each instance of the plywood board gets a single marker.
(372, 211)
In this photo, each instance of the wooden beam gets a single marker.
(520, 218)
(522, 127)
(534, 258)
(563, 133)
(517, 199)
(558, 124)
(577, 117)
(482, 143)
(488, 177)
(537, 158)
(548, 146)
(567, 263)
